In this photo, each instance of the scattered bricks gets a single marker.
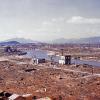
(34, 97)
(45, 98)
(98, 83)
(77, 66)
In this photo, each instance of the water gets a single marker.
(37, 54)
(93, 63)
(44, 54)
(40, 54)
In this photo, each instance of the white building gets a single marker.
(65, 60)
(62, 60)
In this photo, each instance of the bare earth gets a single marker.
(70, 82)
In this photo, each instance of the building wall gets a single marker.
(62, 62)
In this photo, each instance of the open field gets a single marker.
(70, 82)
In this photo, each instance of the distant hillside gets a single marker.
(62, 41)
(22, 40)
(9, 43)
(91, 40)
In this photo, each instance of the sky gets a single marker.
(46, 20)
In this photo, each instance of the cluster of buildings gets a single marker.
(63, 60)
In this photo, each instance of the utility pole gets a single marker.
(62, 52)
(92, 70)
(51, 56)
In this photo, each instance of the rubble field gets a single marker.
(62, 82)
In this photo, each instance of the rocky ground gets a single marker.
(68, 82)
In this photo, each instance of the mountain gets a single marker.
(9, 43)
(91, 40)
(22, 40)
(61, 41)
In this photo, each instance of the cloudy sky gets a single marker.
(45, 20)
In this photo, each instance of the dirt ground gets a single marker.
(68, 82)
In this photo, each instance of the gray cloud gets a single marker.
(83, 20)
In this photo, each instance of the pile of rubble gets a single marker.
(10, 96)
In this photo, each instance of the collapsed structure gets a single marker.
(38, 60)
(13, 50)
